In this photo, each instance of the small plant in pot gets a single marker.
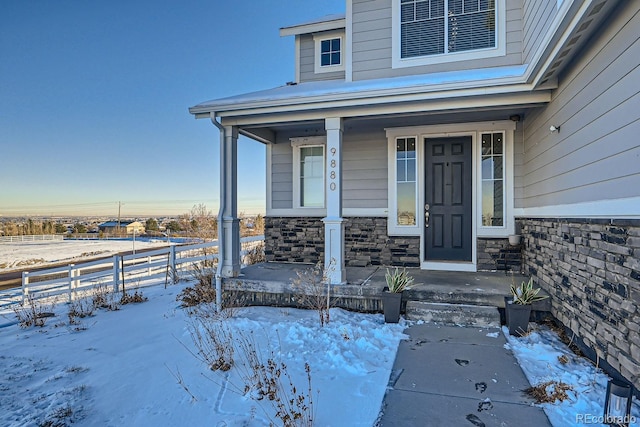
(518, 306)
(397, 281)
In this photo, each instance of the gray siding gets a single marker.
(307, 62)
(596, 154)
(281, 173)
(537, 16)
(364, 171)
(372, 43)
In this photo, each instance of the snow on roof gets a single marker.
(319, 24)
(343, 90)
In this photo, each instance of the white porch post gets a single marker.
(334, 223)
(230, 235)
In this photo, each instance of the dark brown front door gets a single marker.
(447, 210)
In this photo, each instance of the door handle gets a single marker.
(426, 215)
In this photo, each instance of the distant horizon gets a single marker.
(110, 209)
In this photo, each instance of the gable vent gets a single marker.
(573, 41)
(596, 9)
(584, 26)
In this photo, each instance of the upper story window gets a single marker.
(433, 31)
(329, 52)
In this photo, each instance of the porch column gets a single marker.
(334, 223)
(229, 238)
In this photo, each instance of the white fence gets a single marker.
(160, 266)
(31, 238)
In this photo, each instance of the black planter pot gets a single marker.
(517, 316)
(391, 306)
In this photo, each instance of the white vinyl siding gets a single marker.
(595, 155)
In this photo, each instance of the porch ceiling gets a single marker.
(356, 124)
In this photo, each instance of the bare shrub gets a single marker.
(214, 342)
(134, 298)
(199, 293)
(105, 297)
(33, 312)
(267, 379)
(61, 417)
(550, 391)
(80, 308)
(313, 291)
(204, 271)
(255, 255)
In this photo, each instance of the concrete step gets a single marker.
(480, 316)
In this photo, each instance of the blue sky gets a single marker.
(94, 98)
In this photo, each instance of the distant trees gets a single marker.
(79, 228)
(173, 226)
(31, 227)
(200, 222)
(151, 225)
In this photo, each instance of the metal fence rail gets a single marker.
(159, 266)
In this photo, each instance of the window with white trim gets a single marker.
(406, 182)
(329, 52)
(431, 27)
(433, 31)
(308, 173)
(404, 194)
(493, 173)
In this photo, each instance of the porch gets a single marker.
(272, 284)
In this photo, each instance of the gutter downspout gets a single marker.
(220, 214)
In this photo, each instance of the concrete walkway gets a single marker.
(454, 376)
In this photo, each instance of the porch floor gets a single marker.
(364, 286)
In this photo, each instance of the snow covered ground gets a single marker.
(124, 369)
(20, 254)
(136, 367)
(539, 354)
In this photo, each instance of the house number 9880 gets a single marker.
(332, 175)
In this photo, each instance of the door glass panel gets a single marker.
(406, 184)
(492, 180)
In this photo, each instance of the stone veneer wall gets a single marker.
(488, 252)
(301, 239)
(591, 269)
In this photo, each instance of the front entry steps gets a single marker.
(480, 316)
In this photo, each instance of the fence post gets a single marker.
(172, 263)
(116, 272)
(25, 286)
(71, 282)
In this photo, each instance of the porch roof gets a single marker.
(339, 93)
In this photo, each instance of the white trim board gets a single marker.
(628, 208)
(321, 213)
